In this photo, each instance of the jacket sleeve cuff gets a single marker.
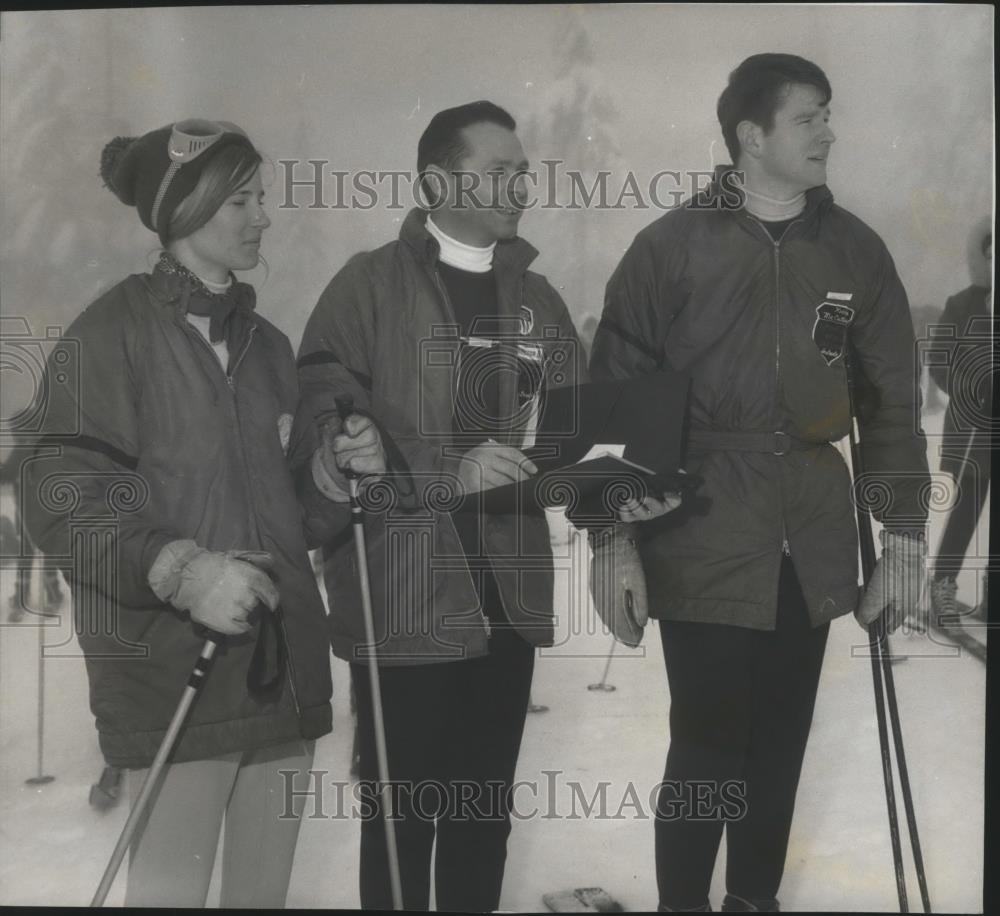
(163, 574)
(326, 483)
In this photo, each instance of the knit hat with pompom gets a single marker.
(156, 171)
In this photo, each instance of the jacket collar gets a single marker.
(724, 192)
(511, 257)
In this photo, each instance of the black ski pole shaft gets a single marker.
(878, 637)
(892, 703)
(904, 782)
(345, 407)
(194, 684)
(875, 643)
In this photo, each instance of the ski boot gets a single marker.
(733, 903)
(355, 755)
(981, 610)
(106, 792)
(15, 612)
(943, 603)
(582, 900)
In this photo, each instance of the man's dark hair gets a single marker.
(442, 143)
(757, 88)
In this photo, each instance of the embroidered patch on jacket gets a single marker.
(285, 431)
(833, 318)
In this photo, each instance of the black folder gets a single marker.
(645, 413)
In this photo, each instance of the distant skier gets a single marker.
(967, 378)
(17, 550)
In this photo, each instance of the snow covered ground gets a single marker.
(54, 846)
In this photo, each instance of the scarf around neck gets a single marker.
(217, 306)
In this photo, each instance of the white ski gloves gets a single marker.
(618, 583)
(896, 582)
(218, 589)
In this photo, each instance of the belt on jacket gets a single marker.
(776, 443)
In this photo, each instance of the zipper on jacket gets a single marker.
(785, 549)
(231, 382)
(230, 376)
(776, 247)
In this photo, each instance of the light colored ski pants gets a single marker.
(172, 858)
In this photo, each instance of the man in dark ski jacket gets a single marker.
(448, 339)
(767, 293)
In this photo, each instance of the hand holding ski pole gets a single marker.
(895, 584)
(221, 590)
(345, 409)
(350, 443)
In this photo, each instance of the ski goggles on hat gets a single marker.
(188, 140)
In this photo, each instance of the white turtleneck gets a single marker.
(459, 255)
(214, 287)
(770, 209)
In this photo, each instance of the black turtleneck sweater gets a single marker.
(475, 415)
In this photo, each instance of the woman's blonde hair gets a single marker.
(227, 172)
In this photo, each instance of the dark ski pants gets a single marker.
(741, 704)
(453, 733)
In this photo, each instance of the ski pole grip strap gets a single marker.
(268, 662)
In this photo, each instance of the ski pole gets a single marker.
(602, 684)
(904, 782)
(878, 644)
(194, 684)
(875, 651)
(37, 592)
(345, 407)
(959, 476)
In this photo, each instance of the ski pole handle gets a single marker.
(345, 407)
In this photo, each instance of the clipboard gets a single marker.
(645, 415)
